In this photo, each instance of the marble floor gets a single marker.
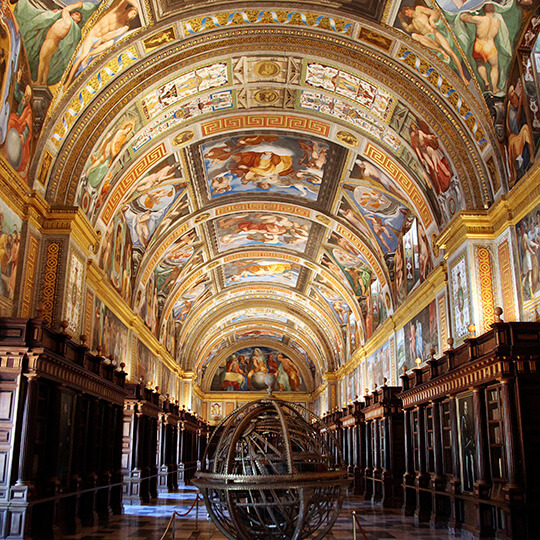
(150, 521)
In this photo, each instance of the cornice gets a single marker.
(108, 294)
(13, 188)
(491, 223)
(71, 221)
(50, 220)
(417, 300)
(293, 397)
(318, 393)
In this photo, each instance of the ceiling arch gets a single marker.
(278, 167)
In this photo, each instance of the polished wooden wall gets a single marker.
(162, 444)
(456, 446)
(76, 441)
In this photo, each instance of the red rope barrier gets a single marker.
(176, 514)
(360, 527)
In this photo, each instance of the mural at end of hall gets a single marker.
(245, 370)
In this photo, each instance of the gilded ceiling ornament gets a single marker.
(202, 217)
(323, 219)
(267, 69)
(266, 97)
(46, 163)
(183, 137)
(376, 39)
(347, 138)
(157, 40)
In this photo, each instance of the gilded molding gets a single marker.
(97, 281)
(244, 397)
(490, 224)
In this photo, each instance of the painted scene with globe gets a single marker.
(245, 370)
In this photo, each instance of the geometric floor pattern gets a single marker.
(150, 521)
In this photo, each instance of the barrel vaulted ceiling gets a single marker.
(272, 172)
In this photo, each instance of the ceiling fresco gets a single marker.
(268, 176)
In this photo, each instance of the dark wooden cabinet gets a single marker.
(74, 438)
(472, 428)
(61, 428)
(371, 435)
(384, 428)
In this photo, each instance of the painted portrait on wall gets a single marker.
(167, 386)
(265, 163)
(74, 293)
(466, 440)
(377, 368)
(148, 365)
(10, 242)
(255, 228)
(528, 237)
(116, 256)
(400, 353)
(112, 336)
(461, 301)
(245, 370)
(421, 334)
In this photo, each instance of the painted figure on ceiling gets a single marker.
(50, 37)
(520, 138)
(265, 162)
(104, 34)
(108, 150)
(10, 47)
(427, 148)
(484, 50)
(486, 32)
(241, 229)
(20, 127)
(424, 25)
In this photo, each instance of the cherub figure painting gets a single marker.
(262, 163)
